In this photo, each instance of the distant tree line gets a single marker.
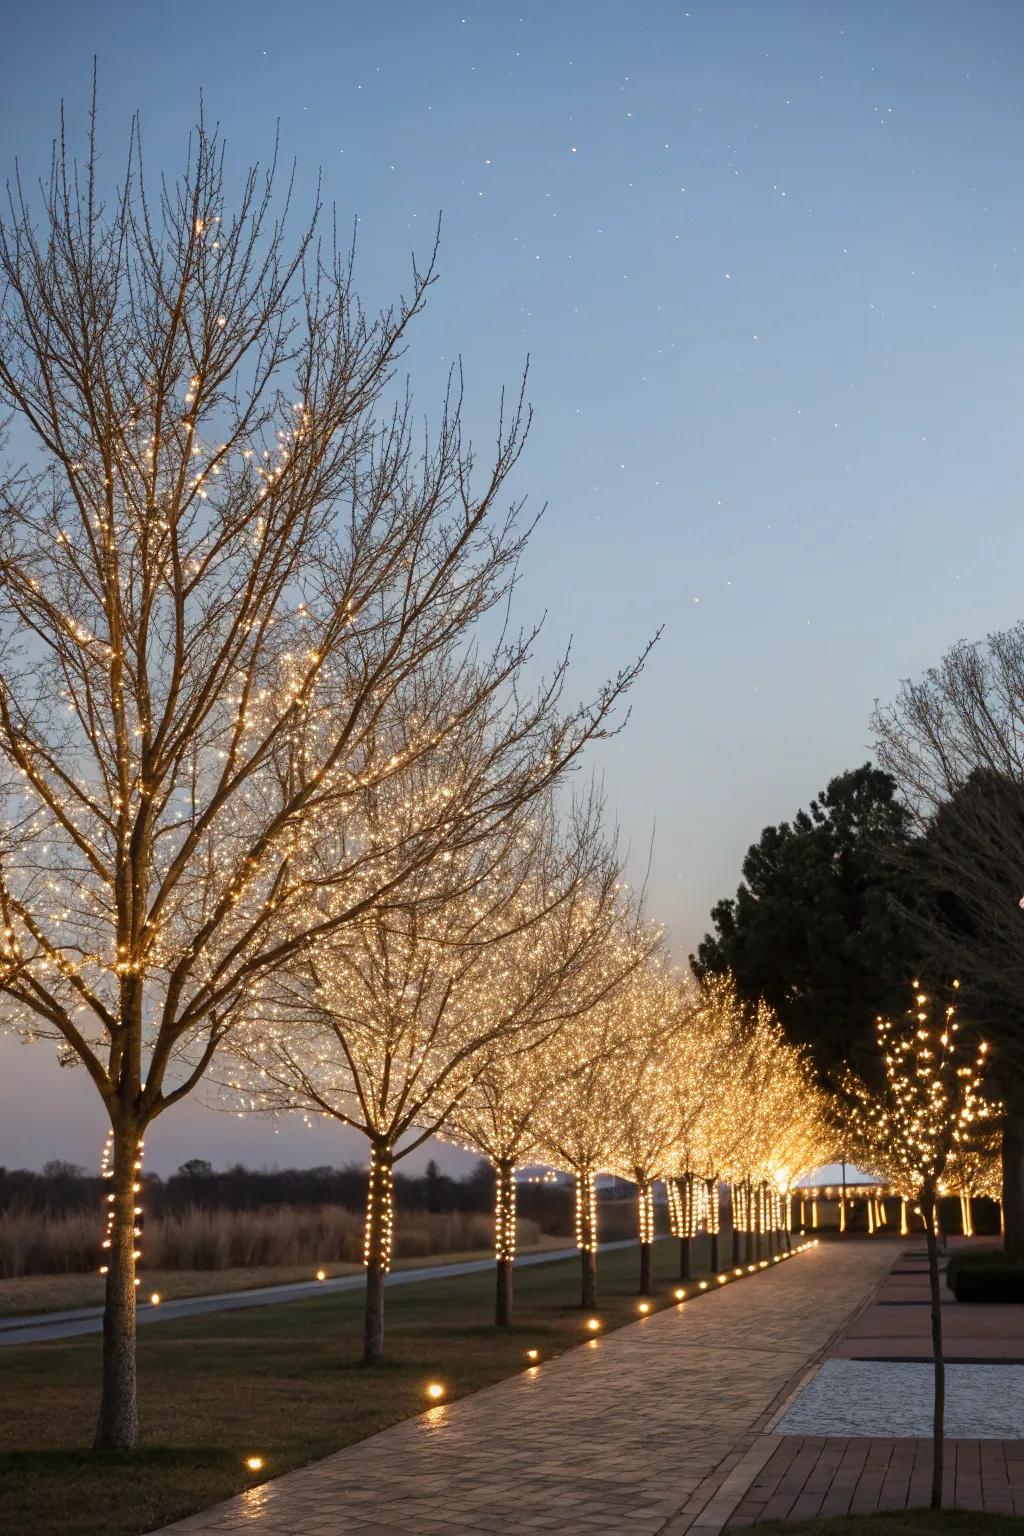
(62, 1187)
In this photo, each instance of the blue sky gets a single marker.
(765, 258)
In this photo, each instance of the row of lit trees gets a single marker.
(278, 792)
(268, 742)
(656, 1081)
(532, 1020)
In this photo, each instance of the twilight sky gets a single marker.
(765, 258)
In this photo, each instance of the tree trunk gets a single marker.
(504, 1240)
(503, 1293)
(377, 1249)
(1013, 1182)
(928, 1204)
(714, 1219)
(685, 1259)
(645, 1232)
(646, 1277)
(586, 1238)
(118, 1425)
(588, 1286)
(734, 1218)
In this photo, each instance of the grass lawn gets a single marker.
(56, 1293)
(284, 1382)
(915, 1522)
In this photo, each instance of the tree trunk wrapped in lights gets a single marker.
(504, 1238)
(586, 1236)
(230, 557)
(645, 1231)
(714, 1219)
(685, 1218)
(377, 1244)
(118, 1426)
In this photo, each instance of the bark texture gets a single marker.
(646, 1271)
(588, 1279)
(685, 1259)
(118, 1426)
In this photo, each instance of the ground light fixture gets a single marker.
(533, 1355)
(643, 1308)
(321, 1274)
(703, 1285)
(254, 1463)
(154, 1300)
(679, 1293)
(435, 1391)
(593, 1323)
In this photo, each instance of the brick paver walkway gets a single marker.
(809, 1476)
(646, 1430)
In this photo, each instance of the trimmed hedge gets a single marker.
(989, 1276)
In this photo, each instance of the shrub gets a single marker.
(990, 1276)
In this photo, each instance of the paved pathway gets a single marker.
(41, 1326)
(644, 1430)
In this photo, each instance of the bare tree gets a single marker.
(577, 1126)
(388, 1026)
(954, 740)
(223, 556)
(587, 948)
(649, 1115)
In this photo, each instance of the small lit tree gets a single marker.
(924, 1115)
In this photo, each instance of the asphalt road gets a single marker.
(48, 1326)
